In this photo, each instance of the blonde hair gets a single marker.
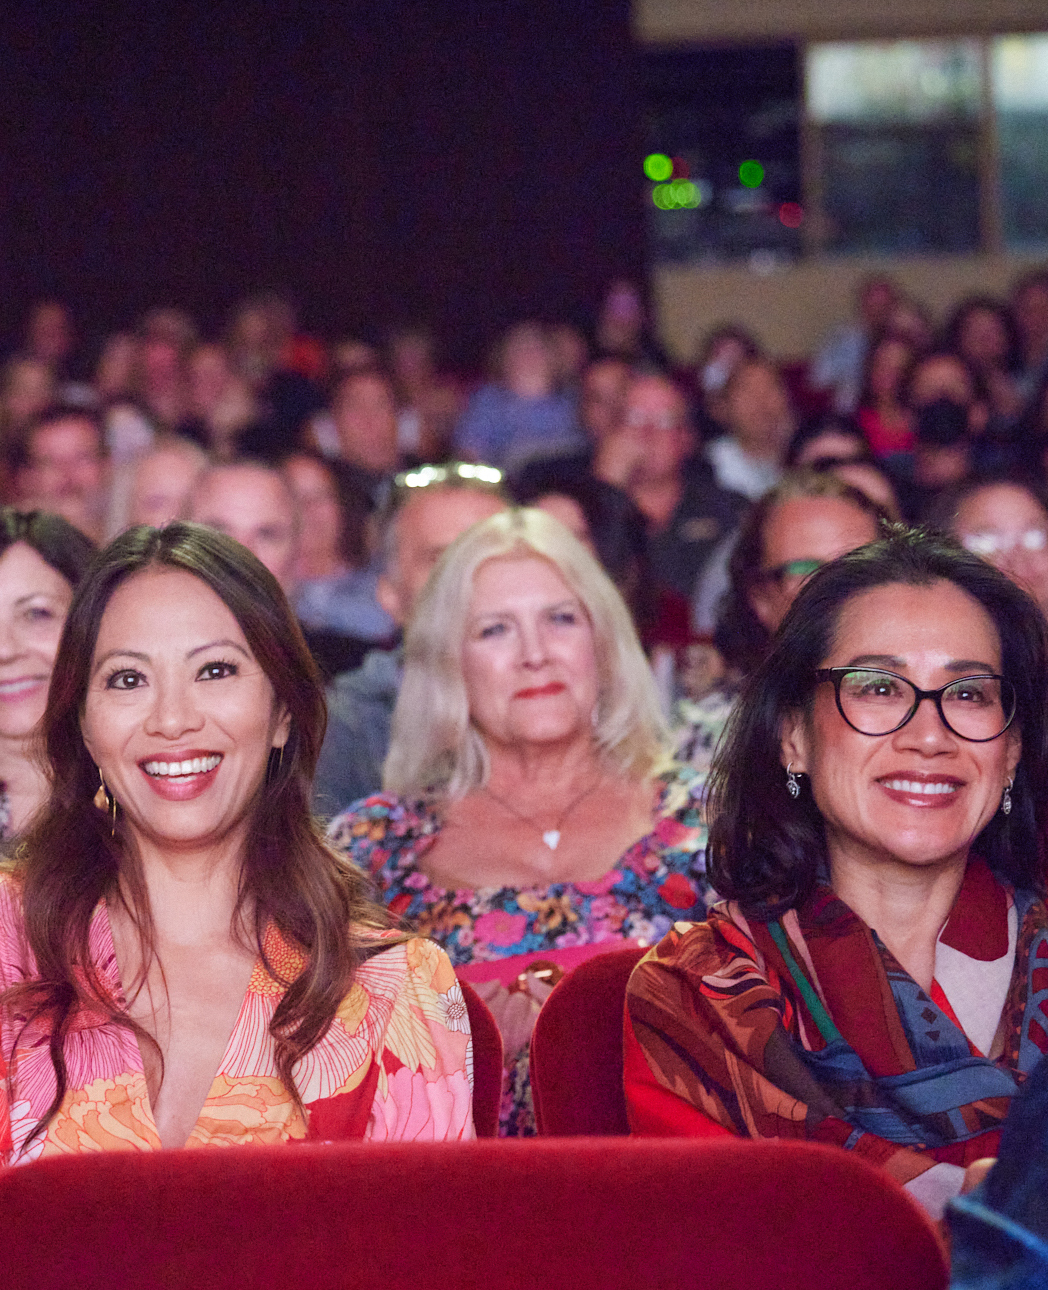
(435, 750)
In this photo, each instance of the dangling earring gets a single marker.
(106, 801)
(792, 787)
(1006, 800)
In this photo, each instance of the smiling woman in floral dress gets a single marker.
(531, 816)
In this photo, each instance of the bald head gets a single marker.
(254, 505)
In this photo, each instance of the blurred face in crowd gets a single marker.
(365, 414)
(656, 417)
(876, 302)
(834, 443)
(1008, 526)
(1030, 309)
(162, 484)
(34, 602)
(255, 506)
(888, 363)
(800, 534)
(425, 526)
(983, 338)
(49, 335)
(757, 409)
(29, 386)
(602, 394)
(528, 362)
(319, 508)
(568, 511)
(66, 472)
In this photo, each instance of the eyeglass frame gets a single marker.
(836, 674)
(790, 570)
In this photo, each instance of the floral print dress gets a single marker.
(513, 945)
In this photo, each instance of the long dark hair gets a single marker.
(70, 860)
(765, 849)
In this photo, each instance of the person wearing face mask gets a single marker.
(531, 815)
(871, 980)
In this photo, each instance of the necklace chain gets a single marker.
(551, 837)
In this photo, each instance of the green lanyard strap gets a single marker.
(821, 1017)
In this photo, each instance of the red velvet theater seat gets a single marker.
(576, 1049)
(487, 1063)
(585, 1214)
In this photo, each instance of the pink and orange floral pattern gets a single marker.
(396, 1063)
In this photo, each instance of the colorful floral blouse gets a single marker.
(396, 1063)
(497, 937)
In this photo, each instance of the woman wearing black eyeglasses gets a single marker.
(878, 975)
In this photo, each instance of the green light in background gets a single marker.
(657, 167)
(680, 195)
(751, 174)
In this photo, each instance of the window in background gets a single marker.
(721, 173)
(896, 144)
(1019, 80)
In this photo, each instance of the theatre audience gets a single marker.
(885, 421)
(877, 825)
(530, 816)
(335, 579)
(838, 364)
(806, 520)
(252, 503)
(520, 413)
(215, 976)
(982, 332)
(652, 458)
(221, 404)
(1029, 307)
(364, 417)
(61, 465)
(429, 402)
(424, 517)
(42, 559)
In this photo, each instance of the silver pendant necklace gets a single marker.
(551, 837)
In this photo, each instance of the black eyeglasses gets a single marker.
(877, 702)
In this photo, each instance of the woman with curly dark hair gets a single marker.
(183, 959)
(874, 979)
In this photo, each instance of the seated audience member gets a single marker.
(335, 582)
(428, 402)
(253, 504)
(50, 338)
(176, 902)
(623, 330)
(520, 413)
(758, 423)
(834, 444)
(61, 466)
(128, 430)
(430, 507)
(1029, 307)
(27, 388)
(884, 419)
(530, 816)
(364, 417)
(42, 558)
(571, 353)
(221, 405)
(837, 367)
(942, 457)
(155, 487)
(1006, 523)
(650, 457)
(722, 350)
(877, 813)
(806, 520)
(983, 333)
(602, 397)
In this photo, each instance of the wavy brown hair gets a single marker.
(71, 860)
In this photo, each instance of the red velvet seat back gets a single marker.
(576, 1049)
(487, 1063)
(589, 1214)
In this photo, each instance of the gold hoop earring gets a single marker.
(104, 800)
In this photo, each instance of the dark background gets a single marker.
(465, 163)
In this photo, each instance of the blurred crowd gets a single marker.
(297, 447)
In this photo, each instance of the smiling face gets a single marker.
(920, 796)
(34, 601)
(529, 657)
(179, 717)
